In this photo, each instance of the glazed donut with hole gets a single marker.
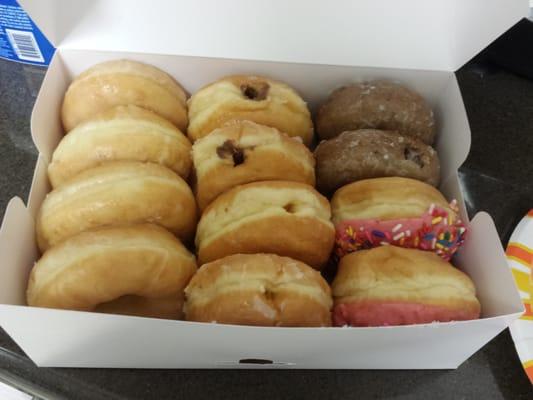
(123, 82)
(135, 270)
(117, 193)
(122, 133)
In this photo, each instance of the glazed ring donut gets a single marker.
(260, 290)
(245, 152)
(286, 218)
(136, 270)
(122, 133)
(390, 285)
(376, 105)
(123, 82)
(254, 98)
(395, 211)
(117, 193)
(371, 153)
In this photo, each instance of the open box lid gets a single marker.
(416, 34)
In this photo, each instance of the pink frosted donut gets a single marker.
(390, 285)
(395, 313)
(395, 211)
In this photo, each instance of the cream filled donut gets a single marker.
(398, 211)
(123, 82)
(286, 218)
(260, 290)
(389, 285)
(254, 98)
(134, 270)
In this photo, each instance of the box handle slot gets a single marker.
(255, 361)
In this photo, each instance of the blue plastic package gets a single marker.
(20, 39)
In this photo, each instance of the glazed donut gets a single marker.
(245, 152)
(123, 82)
(376, 105)
(253, 98)
(286, 218)
(122, 133)
(399, 211)
(258, 289)
(389, 285)
(135, 270)
(117, 193)
(371, 153)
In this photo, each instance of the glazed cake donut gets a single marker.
(123, 82)
(258, 289)
(376, 105)
(371, 153)
(122, 133)
(117, 193)
(285, 218)
(135, 270)
(399, 211)
(245, 152)
(262, 100)
(389, 285)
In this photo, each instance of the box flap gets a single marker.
(19, 251)
(419, 34)
(483, 259)
(61, 338)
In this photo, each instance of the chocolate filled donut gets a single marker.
(253, 98)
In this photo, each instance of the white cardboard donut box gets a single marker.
(314, 46)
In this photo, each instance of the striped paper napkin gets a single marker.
(520, 256)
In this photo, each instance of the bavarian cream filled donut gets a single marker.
(245, 152)
(123, 82)
(371, 153)
(389, 285)
(253, 98)
(117, 193)
(376, 105)
(122, 133)
(285, 218)
(398, 211)
(258, 289)
(135, 270)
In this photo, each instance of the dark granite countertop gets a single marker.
(496, 178)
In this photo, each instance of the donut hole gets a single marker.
(256, 92)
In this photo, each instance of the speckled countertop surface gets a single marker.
(495, 178)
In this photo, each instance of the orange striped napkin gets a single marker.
(520, 257)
